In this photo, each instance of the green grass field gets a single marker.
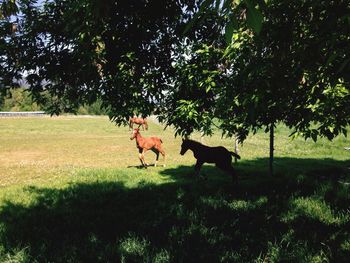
(71, 190)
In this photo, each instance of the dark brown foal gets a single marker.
(205, 154)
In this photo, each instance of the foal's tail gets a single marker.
(235, 155)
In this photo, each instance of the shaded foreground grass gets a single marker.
(301, 218)
(73, 199)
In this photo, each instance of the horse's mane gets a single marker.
(195, 143)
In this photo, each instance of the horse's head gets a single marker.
(134, 133)
(184, 146)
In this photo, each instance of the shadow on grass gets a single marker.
(136, 166)
(143, 167)
(292, 217)
(320, 169)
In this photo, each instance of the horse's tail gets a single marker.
(146, 124)
(235, 155)
(130, 122)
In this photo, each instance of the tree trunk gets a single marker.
(202, 137)
(236, 148)
(271, 148)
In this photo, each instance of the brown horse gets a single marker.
(139, 121)
(144, 144)
(205, 154)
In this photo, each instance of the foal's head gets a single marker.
(186, 144)
(134, 133)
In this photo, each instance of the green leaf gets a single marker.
(254, 17)
(82, 35)
(229, 32)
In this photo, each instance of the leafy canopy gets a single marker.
(238, 65)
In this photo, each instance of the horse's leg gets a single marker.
(227, 167)
(234, 175)
(143, 157)
(162, 152)
(197, 167)
(140, 157)
(157, 154)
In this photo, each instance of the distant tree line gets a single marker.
(20, 99)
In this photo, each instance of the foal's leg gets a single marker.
(143, 157)
(233, 174)
(231, 170)
(227, 167)
(140, 157)
(160, 149)
(157, 154)
(197, 167)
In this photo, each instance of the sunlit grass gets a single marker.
(72, 191)
(314, 209)
(35, 149)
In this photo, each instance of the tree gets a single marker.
(285, 62)
(18, 100)
(118, 51)
(296, 70)
(8, 71)
(190, 101)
